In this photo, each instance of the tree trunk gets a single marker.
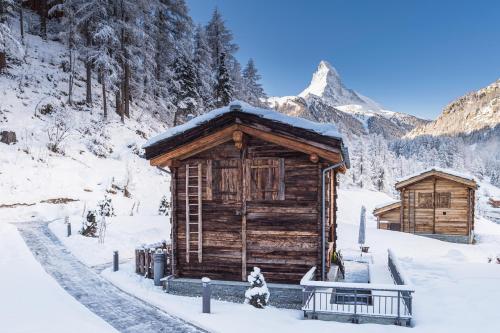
(21, 22)
(127, 90)
(43, 19)
(119, 106)
(88, 68)
(105, 107)
(70, 82)
(3, 61)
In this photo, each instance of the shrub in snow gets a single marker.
(89, 226)
(164, 208)
(105, 207)
(258, 294)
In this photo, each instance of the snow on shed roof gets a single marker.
(325, 129)
(387, 203)
(465, 176)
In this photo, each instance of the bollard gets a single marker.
(206, 294)
(158, 266)
(68, 229)
(115, 261)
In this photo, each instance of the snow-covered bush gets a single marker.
(89, 225)
(258, 293)
(164, 208)
(105, 207)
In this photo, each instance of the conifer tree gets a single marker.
(223, 88)
(253, 91)
(185, 90)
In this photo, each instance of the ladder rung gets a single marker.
(191, 186)
(193, 176)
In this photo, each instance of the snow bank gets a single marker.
(31, 300)
(320, 128)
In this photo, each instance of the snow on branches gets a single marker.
(258, 293)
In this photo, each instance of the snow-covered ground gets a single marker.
(31, 301)
(455, 286)
(123, 234)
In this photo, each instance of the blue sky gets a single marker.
(411, 56)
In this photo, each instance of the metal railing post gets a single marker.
(314, 303)
(399, 309)
(355, 306)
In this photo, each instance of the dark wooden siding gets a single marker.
(283, 237)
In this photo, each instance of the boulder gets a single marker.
(8, 137)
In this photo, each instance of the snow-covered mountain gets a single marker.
(327, 99)
(477, 111)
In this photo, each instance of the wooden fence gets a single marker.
(144, 264)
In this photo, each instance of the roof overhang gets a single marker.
(385, 209)
(436, 173)
(222, 129)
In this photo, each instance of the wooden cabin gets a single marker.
(247, 188)
(434, 203)
(388, 216)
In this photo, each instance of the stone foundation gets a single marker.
(287, 296)
(450, 238)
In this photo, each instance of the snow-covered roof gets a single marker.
(325, 129)
(451, 172)
(387, 203)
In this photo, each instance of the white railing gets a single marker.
(356, 300)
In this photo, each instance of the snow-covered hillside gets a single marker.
(92, 157)
(478, 111)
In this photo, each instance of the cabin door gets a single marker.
(228, 211)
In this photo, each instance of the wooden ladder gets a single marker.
(193, 210)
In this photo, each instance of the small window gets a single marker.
(443, 200)
(266, 179)
(425, 200)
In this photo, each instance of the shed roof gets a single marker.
(242, 116)
(387, 206)
(453, 175)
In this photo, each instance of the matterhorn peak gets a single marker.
(325, 77)
(327, 84)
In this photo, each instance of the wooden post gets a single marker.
(173, 218)
(434, 205)
(402, 210)
(244, 193)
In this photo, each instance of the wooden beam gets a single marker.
(244, 193)
(195, 147)
(331, 156)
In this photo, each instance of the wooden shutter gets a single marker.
(266, 179)
(226, 180)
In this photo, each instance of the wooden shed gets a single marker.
(388, 216)
(436, 203)
(249, 188)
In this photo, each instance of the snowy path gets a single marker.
(121, 310)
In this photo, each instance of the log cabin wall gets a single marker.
(392, 219)
(273, 225)
(437, 205)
